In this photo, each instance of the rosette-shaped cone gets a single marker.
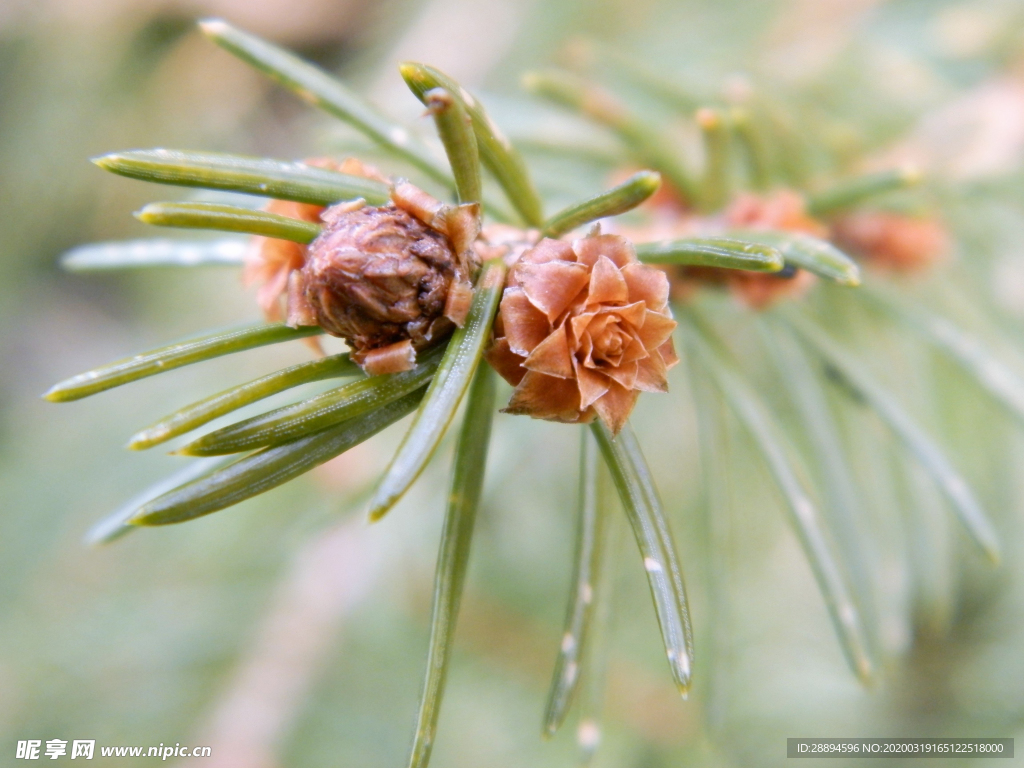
(583, 329)
(377, 277)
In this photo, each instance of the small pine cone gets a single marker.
(893, 241)
(377, 277)
(783, 211)
(582, 329)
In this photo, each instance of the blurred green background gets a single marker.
(287, 632)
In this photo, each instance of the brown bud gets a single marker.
(377, 277)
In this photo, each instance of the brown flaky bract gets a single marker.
(582, 329)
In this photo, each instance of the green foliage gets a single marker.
(771, 372)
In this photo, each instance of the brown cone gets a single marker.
(583, 328)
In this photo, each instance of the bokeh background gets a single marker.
(287, 632)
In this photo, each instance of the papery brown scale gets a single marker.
(547, 397)
(668, 354)
(592, 386)
(648, 285)
(551, 286)
(507, 363)
(394, 358)
(615, 405)
(524, 326)
(624, 374)
(614, 247)
(552, 356)
(607, 285)
(651, 374)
